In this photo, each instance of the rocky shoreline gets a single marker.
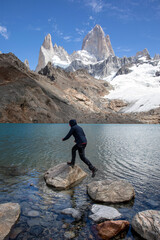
(54, 96)
(107, 220)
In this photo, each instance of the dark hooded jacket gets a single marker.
(77, 132)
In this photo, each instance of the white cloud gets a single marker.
(77, 39)
(91, 18)
(80, 31)
(3, 32)
(56, 30)
(67, 38)
(123, 49)
(96, 5)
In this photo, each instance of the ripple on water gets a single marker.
(129, 152)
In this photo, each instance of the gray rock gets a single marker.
(157, 73)
(97, 44)
(34, 222)
(63, 176)
(9, 214)
(69, 235)
(36, 230)
(109, 191)
(33, 213)
(73, 212)
(147, 224)
(101, 212)
(124, 70)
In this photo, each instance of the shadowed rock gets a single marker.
(111, 191)
(110, 229)
(9, 214)
(63, 176)
(73, 212)
(147, 224)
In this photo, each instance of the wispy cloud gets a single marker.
(67, 38)
(35, 28)
(4, 32)
(96, 5)
(123, 49)
(80, 31)
(56, 30)
(78, 39)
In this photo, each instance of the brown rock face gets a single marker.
(110, 229)
(95, 43)
(9, 214)
(63, 176)
(28, 97)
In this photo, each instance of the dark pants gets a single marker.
(81, 151)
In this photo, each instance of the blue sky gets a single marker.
(132, 25)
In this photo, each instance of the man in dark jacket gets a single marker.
(80, 145)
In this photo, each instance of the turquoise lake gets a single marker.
(130, 152)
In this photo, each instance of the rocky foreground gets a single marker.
(107, 221)
(55, 96)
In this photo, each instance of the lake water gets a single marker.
(130, 152)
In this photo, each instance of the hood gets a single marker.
(72, 122)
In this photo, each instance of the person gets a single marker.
(81, 143)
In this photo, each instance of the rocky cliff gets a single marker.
(97, 44)
(55, 96)
(96, 47)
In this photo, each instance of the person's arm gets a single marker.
(68, 135)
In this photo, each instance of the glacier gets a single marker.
(140, 88)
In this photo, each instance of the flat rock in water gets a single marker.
(110, 229)
(147, 224)
(109, 191)
(9, 214)
(73, 212)
(63, 176)
(101, 212)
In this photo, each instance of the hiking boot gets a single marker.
(70, 164)
(94, 172)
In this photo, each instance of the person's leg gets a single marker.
(74, 149)
(81, 151)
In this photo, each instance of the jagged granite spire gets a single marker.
(97, 44)
(47, 44)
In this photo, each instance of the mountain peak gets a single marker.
(96, 44)
(48, 42)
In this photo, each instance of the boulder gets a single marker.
(73, 212)
(109, 191)
(147, 224)
(9, 214)
(63, 176)
(101, 212)
(110, 229)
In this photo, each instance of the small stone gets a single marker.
(65, 225)
(33, 213)
(36, 230)
(73, 212)
(69, 235)
(33, 222)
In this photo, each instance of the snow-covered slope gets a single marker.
(140, 88)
